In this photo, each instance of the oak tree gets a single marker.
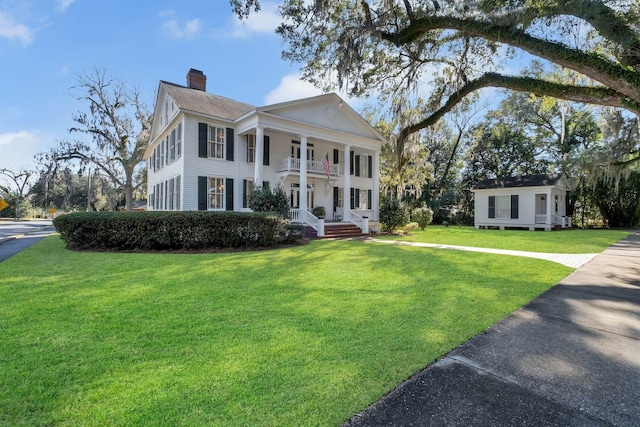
(387, 46)
(116, 126)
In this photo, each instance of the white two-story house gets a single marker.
(206, 152)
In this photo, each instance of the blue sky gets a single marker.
(45, 44)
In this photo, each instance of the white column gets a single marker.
(257, 162)
(303, 178)
(346, 202)
(375, 200)
(549, 211)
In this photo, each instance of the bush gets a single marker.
(319, 211)
(407, 229)
(422, 216)
(263, 199)
(393, 214)
(172, 230)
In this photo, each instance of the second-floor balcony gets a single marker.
(292, 164)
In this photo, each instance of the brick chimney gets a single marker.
(196, 80)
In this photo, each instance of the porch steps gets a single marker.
(342, 230)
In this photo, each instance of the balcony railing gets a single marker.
(292, 164)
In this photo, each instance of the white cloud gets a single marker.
(265, 21)
(189, 30)
(18, 149)
(291, 87)
(64, 4)
(12, 30)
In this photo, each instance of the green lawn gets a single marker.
(572, 241)
(309, 335)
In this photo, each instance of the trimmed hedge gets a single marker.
(173, 230)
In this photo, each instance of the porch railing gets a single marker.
(292, 164)
(556, 219)
(541, 218)
(360, 217)
(309, 219)
(294, 215)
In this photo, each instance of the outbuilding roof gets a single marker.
(540, 180)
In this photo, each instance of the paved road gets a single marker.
(16, 236)
(569, 358)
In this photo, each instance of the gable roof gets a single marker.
(205, 103)
(540, 180)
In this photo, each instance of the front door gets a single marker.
(294, 198)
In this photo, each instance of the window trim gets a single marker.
(219, 146)
(250, 148)
(221, 194)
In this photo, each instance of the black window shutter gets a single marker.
(369, 195)
(336, 156)
(203, 129)
(202, 193)
(244, 194)
(335, 198)
(352, 201)
(357, 165)
(228, 193)
(265, 184)
(351, 154)
(230, 144)
(492, 206)
(514, 206)
(356, 192)
(370, 159)
(265, 158)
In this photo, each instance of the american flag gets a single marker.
(325, 163)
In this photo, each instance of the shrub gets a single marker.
(393, 214)
(172, 230)
(422, 216)
(264, 199)
(408, 228)
(319, 211)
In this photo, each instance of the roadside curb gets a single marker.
(6, 239)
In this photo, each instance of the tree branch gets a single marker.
(609, 73)
(583, 94)
(606, 22)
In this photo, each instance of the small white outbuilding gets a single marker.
(531, 201)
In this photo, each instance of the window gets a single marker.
(179, 141)
(170, 194)
(246, 192)
(172, 146)
(503, 205)
(365, 166)
(216, 193)
(166, 111)
(364, 200)
(295, 150)
(251, 148)
(162, 146)
(177, 193)
(340, 197)
(216, 142)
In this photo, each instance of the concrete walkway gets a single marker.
(569, 358)
(570, 260)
